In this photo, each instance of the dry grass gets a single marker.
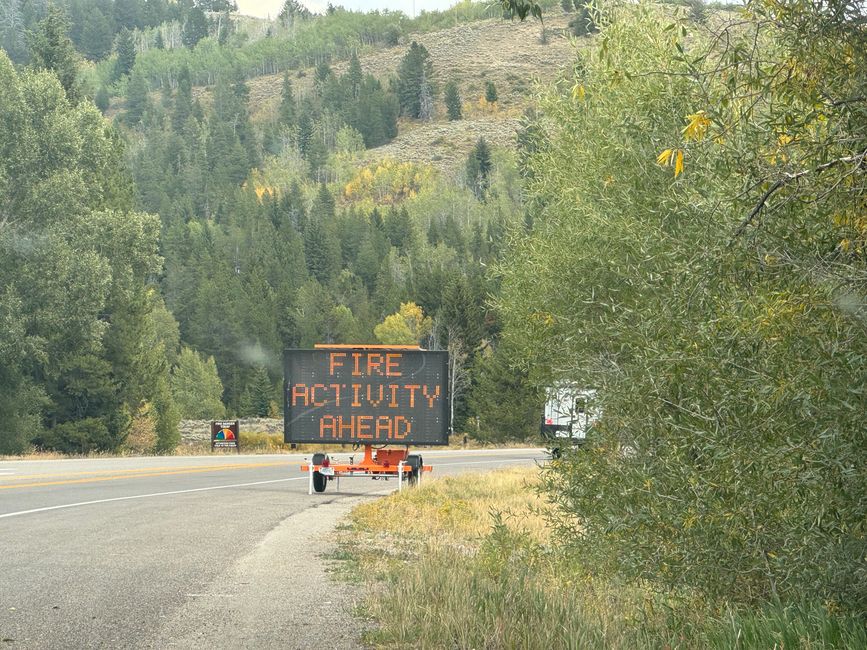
(457, 508)
(469, 562)
(445, 145)
(466, 562)
(510, 54)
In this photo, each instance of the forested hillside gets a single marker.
(287, 199)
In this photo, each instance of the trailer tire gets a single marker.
(320, 481)
(415, 463)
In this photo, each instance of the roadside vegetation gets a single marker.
(472, 562)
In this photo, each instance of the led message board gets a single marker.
(366, 396)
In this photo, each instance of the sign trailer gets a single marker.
(373, 395)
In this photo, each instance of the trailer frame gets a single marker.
(382, 463)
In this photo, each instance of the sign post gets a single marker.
(225, 434)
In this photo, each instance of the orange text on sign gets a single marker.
(364, 427)
(366, 364)
(357, 395)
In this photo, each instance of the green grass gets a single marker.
(466, 562)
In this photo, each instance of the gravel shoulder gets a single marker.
(280, 595)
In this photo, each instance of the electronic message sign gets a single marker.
(366, 395)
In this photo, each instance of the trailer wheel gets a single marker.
(319, 480)
(415, 464)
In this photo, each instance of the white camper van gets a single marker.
(569, 413)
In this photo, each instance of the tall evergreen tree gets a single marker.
(128, 14)
(183, 100)
(415, 69)
(287, 113)
(125, 53)
(479, 168)
(195, 27)
(52, 49)
(97, 34)
(137, 100)
(453, 101)
(101, 99)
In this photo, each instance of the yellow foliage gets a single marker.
(697, 127)
(408, 326)
(665, 157)
(671, 157)
(262, 191)
(678, 163)
(387, 182)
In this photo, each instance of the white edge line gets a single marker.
(147, 496)
(221, 487)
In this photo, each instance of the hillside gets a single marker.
(511, 55)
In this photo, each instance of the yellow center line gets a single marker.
(99, 479)
(132, 470)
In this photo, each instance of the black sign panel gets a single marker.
(366, 396)
(225, 434)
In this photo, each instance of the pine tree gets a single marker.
(125, 54)
(96, 35)
(127, 13)
(256, 399)
(503, 398)
(286, 115)
(137, 100)
(159, 43)
(354, 77)
(52, 49)
(479, 168)
(102, 99)
(306, 131)
(195, 27)
(183, 101)
(415, 68)
(490, 92)
(453, 101)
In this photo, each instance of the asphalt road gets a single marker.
(215, 551)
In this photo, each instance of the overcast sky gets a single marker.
(265, 8)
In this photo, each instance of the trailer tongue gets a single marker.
(370, 396)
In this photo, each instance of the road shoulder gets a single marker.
(279, 595)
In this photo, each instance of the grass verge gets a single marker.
(467, 562)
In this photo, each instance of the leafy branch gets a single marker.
(858, 159)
